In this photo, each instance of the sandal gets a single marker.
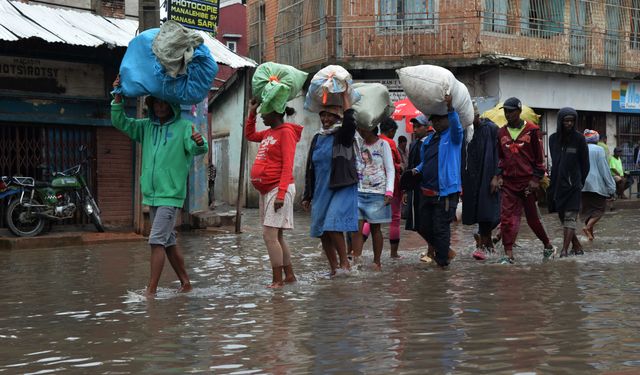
(479, 254)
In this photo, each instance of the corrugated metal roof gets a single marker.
(56, 25)
(220, 52)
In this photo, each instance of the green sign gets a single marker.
(195, 14)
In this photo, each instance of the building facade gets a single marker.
(54, 97)
(550, 54)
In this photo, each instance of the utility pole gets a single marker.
(247, 73)
(148, 18)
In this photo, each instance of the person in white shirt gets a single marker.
(376, 175)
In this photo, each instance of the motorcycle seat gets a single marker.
(41, 184)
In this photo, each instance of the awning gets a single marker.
(56, 25)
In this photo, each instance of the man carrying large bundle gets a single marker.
(441, 183)
(169, 144)
(520, 168)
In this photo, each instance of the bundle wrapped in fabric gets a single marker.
(185, 79)
(327, 86)
(426, 86)
(374, 105)
(275, 84)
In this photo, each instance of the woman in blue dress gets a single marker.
(331, 183)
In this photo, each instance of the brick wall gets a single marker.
(115, 177)
(271, 16)
(457, 33)
(113, 8)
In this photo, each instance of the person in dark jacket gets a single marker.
(570, 168)
(412, 194)
(481, 202)
(331, 183)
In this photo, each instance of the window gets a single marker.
(495, 16)
(542, 18)
(257, 22)
(627, 138)
(634, 35)
(403, 14)
(300, 36)
(232, 45)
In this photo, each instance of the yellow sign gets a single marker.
(195, 14)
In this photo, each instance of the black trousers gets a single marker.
(436, 215)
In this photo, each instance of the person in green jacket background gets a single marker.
(617, 171)
(169, 144)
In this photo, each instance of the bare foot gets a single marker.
(377, 267)
(185, 288)
(148, 294)
(275, 285)
(395, 256)
(451, 255)
(587, 233)
(291, 279)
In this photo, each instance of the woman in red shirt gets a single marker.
(272, 176)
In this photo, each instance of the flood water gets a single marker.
(79, 309)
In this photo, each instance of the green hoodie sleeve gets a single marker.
(191, 146)
(134, 128)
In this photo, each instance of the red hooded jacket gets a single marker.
(522, 157)
(273, 166)
(397, 161)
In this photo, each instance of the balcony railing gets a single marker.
(373, 40)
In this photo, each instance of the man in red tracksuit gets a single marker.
(520, 168)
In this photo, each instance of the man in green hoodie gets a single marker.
(168, 146)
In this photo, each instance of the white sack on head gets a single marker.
(374, 105)
(426, 86)
(327, 86)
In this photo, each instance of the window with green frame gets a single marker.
(403, 14)
(542, 18)
(495, 16)
(634, 30)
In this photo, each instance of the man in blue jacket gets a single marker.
(441, 183)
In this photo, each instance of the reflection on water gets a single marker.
(81, 310)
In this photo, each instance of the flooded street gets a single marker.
(79, 309)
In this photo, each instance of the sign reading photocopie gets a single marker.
(195, 14)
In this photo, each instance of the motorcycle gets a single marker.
(8, 187)
(34, 203)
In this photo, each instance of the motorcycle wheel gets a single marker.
(95, 218)
(21, 222)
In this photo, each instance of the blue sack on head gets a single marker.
(141, 73)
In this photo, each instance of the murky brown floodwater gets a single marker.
(76, 309)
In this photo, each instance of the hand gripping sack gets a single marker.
(327, 86)
(374, 105)
(426, 86)
(275, 84)
(141, 73)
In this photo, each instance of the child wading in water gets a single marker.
(272, 176)
(331, 183)
(376, 175)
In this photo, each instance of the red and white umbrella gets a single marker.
(405, 109)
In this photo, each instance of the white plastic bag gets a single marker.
(327, 86)
(426, 86)
(374, 104)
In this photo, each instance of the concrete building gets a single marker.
(550, 54)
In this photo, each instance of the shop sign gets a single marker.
(625, 97)
(55, 77)
(195, 14)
